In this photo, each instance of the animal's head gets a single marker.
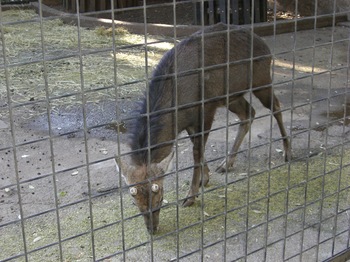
(146, 187)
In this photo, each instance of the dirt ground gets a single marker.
(65, 160)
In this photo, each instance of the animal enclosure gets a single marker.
(71, 92)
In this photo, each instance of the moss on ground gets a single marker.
(252, 200)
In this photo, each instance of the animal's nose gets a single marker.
(152, 229)
(152, 221)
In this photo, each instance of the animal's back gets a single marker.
(214, 44)
(182, 87)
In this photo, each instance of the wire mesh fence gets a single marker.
(75, 101)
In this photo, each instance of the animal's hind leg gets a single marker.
(245, 112)
(270, 101)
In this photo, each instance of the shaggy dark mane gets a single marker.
(158, 100)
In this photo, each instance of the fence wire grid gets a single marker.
(68, 93)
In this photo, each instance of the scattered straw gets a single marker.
(67, 73)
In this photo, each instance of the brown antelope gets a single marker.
(186, 98)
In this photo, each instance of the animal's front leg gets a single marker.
(194, 189)
(200, 171)
(205, 174)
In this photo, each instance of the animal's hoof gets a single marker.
(288, 157)
(205, 181)
(221, 168)
(188, 202)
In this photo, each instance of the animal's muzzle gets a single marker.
(152, 221)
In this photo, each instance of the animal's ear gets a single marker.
(122, 169)
(167, 163)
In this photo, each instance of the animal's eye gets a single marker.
(133, 191)
(155, 188)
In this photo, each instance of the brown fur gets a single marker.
(197, 88)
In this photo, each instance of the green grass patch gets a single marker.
(251, 201)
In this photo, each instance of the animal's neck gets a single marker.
(164, 138)
(153, 137)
